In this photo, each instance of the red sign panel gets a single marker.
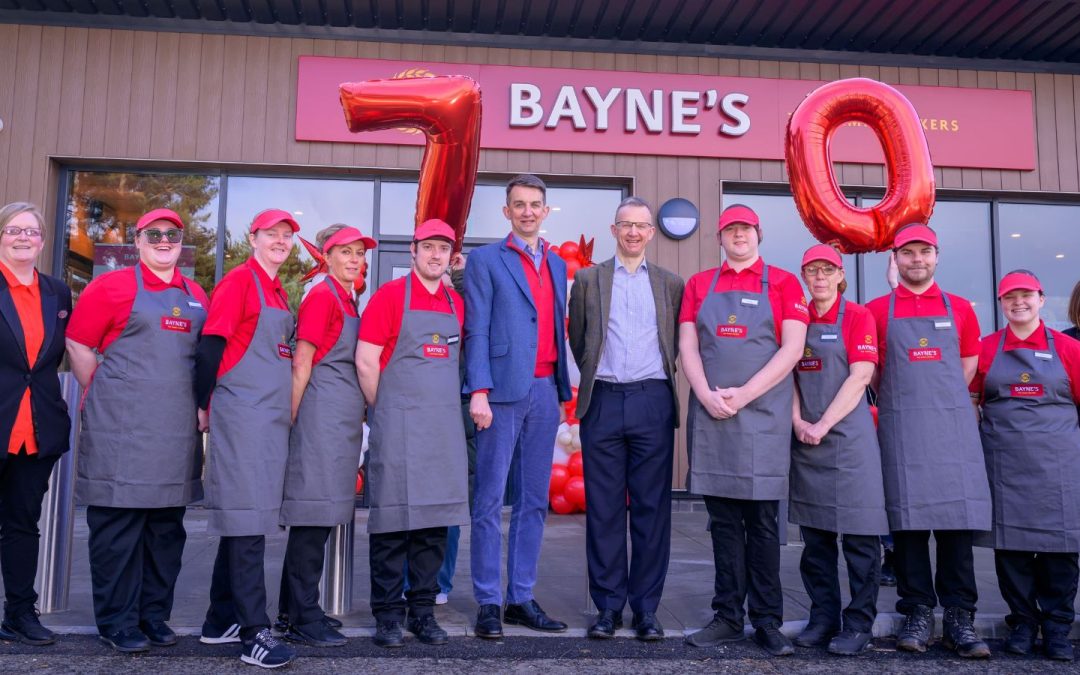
(571, 110)
(178, 324)
(1027, 390)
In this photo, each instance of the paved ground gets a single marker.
(561, 589)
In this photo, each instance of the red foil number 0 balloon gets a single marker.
(447, 110)
(828, 215)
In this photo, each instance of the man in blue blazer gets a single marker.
(516, 375)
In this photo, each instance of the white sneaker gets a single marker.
(215, 636)
(266, 651)
(441, 599)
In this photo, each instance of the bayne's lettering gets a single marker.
(730, 331)
(284, 350)
(177, 324)
(924, 354)
(1026, 390)
(806, 365)
(436, 351)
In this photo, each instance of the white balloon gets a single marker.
(560, 456)
(565, 438)
(563, 427)
(576, 443)
(575, 430)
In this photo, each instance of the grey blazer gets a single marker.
(590, 300)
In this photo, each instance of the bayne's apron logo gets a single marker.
(173, 324)
(436, 351)
(808, 352)
(809, 364)
(176, 311)
(923, 342)
(284, 350)
(924, 353)
(869, 339)
(435, 338)
(1025, 377)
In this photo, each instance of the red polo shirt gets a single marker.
(27, 299)
(381, 321)
(320, 318)
(858, 329)
(234, 309)
(785, 293)
(928, 303)
(542, 288)
(1068, 350)
(103, 308)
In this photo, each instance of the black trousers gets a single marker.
(746, 553)
(238, 586)
(628, 438)
(954, 581)
(424, 550)
(1038, 587)
(135, 557)
(300, 574)
(24, 479)
(862, 554)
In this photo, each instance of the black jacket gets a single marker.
(52, 426)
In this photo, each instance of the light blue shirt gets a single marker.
(632, 343)
(537, 255)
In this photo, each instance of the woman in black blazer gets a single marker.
(34, 422)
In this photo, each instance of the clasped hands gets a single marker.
(724, 402)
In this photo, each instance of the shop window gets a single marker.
(103, 207)
(1043, 238)
(575, 211)
(314, 202)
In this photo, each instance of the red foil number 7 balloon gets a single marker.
(447, 110)
(909, 197)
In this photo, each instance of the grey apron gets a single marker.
(417, 460)
(1031, 439)
(835, 485)
(745, 456)
(249, 431)
(932, 460)
(325, 443)
(140, 446)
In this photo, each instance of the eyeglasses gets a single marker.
(827, 270)
(14, 231)
(172, 234)
(629, 224)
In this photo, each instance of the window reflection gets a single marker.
(1043, 238)
(314, 202)
(103, 207)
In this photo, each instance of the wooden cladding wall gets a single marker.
(213, 99)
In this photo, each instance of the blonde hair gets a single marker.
(326, 233)
(9, 211)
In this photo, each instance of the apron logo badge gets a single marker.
(435, 338)
(177, 324)
(1025, 377)
(436, 352)
(808, 352)
(808, 364)
(731, 318)
(284, 351)
(923, 342)
(1027, 390)
(176, 311)
(869, 339)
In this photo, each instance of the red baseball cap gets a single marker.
(434, 228)
(348, 235)
(1018, 281)
(271, 217)
(822, 252)
(917, 232)
(159, 214)
(738, 213)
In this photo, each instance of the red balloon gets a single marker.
(572, 266)
(873, 413)
(561, 505)
(568, 250)
(554, 248)
(447, 110)
(575, 491)
(574, 465)
(825, 210)
(359, 481)
(559, 474)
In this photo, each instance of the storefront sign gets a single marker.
(560, 109)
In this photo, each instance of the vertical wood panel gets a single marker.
(281, 106)
(23, 114)
(97, 92)
(211, 104)
(188, 94)
(295, 151)
(1046, 131)
(118, 103)
(1029, 180)
(47, 115)
(256, 70)
(144, 64)
(1065, 129)
(72, 90)
(9, 50)
(165, 79)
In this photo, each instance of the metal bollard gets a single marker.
(335, 587)
(57, 523)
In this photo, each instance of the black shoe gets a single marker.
(488, 624)
(849, 642)
(315, 634)
(716, 632)
(281, 624)
(888, 572)
(26, 628)
(647, 628)
(127, 640)
(427, 629)
(212, 635)
(158, 632)
(530, 615)
(773, 641)
(266, 651)
(1056, 643)
(958, 634)
(1022, 639)
(918, 630)
(388, 634)
(606, 624)
(332, 622)
(816, 635)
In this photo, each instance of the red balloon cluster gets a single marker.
(567, 489)
(576, 254)
(571, 407)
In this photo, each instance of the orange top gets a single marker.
(27, 299)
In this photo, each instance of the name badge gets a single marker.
(749, 302)
(924, 354)
(827, 337)
(726, 330)
(453, 339)
(284, 350)
(176, 324)
(942, 325)
(194, 303)
(1045, 356)
(1026, 390)
(806, 365)
(436, 352)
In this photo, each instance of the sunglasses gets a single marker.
(173, 235)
